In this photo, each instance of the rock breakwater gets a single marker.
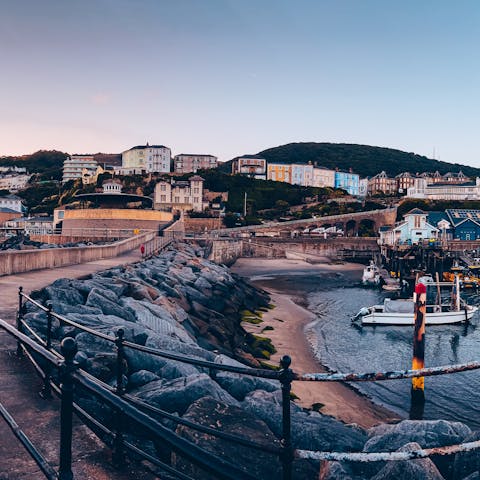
(182, 303)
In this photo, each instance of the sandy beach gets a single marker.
(289, 320)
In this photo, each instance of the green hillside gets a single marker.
(47, 163)
(362, 159)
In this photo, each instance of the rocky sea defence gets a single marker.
(180, 302)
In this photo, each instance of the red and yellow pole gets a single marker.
(418, 361)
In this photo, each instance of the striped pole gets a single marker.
(418, 361)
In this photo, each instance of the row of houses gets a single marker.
(418, 226)
(140, 159)
(434, 186)
(384, 184)
(306, 175)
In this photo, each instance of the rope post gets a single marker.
(20, 319)
(46, 391)
(418, 361)
(286, 377)
(68, 348)
(118, 442)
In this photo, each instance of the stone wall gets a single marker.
(12, 262)
(227, 251)
(200, 225)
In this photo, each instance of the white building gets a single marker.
(112, 186)
(191, 163)
(180, 195)
(13, 182)
(250, 165)
(147, 159)
(12, 202)
(76, 166)
(414, 229)
(363, 187)
(444, 191)
(323, 177)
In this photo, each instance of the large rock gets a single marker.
(239, 385)
(231, 419)
(467, 463)
(156, 318)
(108, 303)
(421, 469)
(310, 430)
(427, 433)
(177, 395)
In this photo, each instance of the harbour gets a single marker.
(333, 297)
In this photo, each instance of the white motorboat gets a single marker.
(401, 312)
(371, 275)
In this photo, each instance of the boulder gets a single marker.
(140, 378)
(231, 419)
(466, 463)
(108, 304)
(156, 318)
(427, 433)
(310, 430)
(421, 469)
(178, 394)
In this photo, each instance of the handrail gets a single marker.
(392, 375)
(50, 357)
(37, 457)
(206, 460)
(275, 375)
(127, 405)
(254, 372)
(388, 456)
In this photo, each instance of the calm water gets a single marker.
(346, 347)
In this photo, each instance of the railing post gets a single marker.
(418, 362)
(286, 376)
(69, 349)
(20, 320)
(120, 360)
(46, 391)
(118, 443)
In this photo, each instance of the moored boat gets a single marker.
(401, 311)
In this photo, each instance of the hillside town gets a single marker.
(178, 186)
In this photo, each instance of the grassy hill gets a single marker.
(362, 159)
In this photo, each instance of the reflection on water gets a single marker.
(346, 347)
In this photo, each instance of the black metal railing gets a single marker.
(130, 410)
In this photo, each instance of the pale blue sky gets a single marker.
(228, 77)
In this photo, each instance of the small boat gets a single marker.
(401, 311)
(371, 275)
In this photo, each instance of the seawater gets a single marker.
(344, 346)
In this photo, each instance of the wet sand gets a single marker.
(289, 321)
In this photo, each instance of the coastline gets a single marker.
(289, 321)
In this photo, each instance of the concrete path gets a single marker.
(19, 387)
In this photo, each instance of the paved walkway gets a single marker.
(19, 387)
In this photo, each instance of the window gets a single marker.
(163, 187)
(196, 190)
(195, 200)
(163, 198)
(177, 199)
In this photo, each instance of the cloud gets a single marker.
(101, 98)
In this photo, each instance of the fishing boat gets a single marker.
(401, 311)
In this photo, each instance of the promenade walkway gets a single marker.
(38, 418)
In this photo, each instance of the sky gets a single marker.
(232, 77)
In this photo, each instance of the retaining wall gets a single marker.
(19, 261)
